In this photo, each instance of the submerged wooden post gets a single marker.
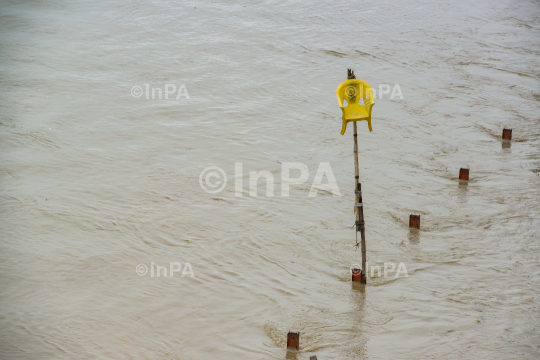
(358, 205)
(356, 275)
(414, 221)
(507, 134)
(293, 340)
(463, 174)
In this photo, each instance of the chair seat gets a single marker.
(355, 112)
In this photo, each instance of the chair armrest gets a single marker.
(338, 95)
(368, 100)
(369, 108)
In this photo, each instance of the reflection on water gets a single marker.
(291, 354)
(463, 190)
(414, 235)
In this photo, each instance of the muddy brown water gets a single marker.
(95, 181)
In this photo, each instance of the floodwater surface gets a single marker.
(101, 188)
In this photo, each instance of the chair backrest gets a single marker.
(353, 90)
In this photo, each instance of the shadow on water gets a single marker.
(506, 144)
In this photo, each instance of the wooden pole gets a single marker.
(358, 205)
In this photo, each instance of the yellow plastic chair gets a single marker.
(353, 91)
